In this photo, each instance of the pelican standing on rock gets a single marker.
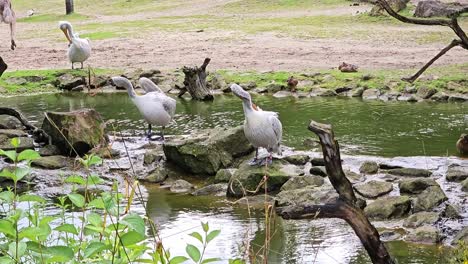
(261, 128)
(79, 49)
(155, 107)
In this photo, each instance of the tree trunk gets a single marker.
(38, 134)
(69, 7)
(3, 66)
(195, 82)
(345, 207)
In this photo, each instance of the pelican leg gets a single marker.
(150, 133)
(254, 161)
(73, 66)
(81, 65)
(267, 160)
(162, 133)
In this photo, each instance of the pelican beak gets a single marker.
(65, 31)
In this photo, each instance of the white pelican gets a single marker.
(8, 16)
(155, 107)
(261, 128)
(79, 49)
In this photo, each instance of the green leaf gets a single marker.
(59, 254)
(95, 248)
(20, 172)
(15, 142)
(67, 228)
(11, 154)
(6, 173)
(178, 260)
(75, 179)
(35, 247)
(95, 219)
(94, 180)
(32, 232)
(193, 252)
(210, 260)
(134, 222)
(21, 249)
(97, 203)
(205, 227)
(236, 261)
(77, 199)
(6, 260)
(7, 228)
(212, 235)
(131, 238)
(7, 196)
(197, 236)
(31, 198)
(90, 230)
(28, 154)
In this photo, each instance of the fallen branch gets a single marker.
(38, 134)
(345, 207)
(449, 22)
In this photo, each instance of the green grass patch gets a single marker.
(258, 6)
(52, 18)
(100, 35)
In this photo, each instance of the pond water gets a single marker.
(362, 128)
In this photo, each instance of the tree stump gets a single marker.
(346, 206)
(3, 66)
(69, 7)
(195, 82)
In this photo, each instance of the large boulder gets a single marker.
(410, 172)
(298, 159)
(388, 207)
(421, 218)
(425, 234)
(247, 179)
(217, 189)
(181, 186)
(209, 151)
(457, 174)
(25, 143)
(298, 182)
(309, 195)
(429, 198)
(79, 131)
(434, 8)
(50, 162)
(68, 81)
(369, 167)
(415, 185)
(426, 93)
(373, 189)
(224, 175)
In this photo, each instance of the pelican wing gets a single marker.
(276, 126)
(149, 86)
(168, 103)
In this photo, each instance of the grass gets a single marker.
(259, 6)
(52, 18)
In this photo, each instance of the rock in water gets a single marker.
(79, 130)
(374, 189)
(419, 219)
(429, 198)
(208, 152)
(389, 207)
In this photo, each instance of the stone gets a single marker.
(435, 8)
(390, 235)
(440, 97)
(209, 152)
(152, 155)
(407, 98)
(78, 88)
(453, 98)
(217, 82)
(260, 90)
(274, 87)
(249, 85)
(322, 92)
(426, 93)
(106, 152)
(218, 189)
(357, 92)
(462, 235)
(224, 175)
(410, 172)
(371, 94)
(388, 207)
(452, 211)
(319, 171)
(317, 162)
(49, 150)
(425, 234)
(421, 218)
(307, 196)
(410, 90)
(16, 81)
(343, 90)
(373, 189)
(369, 167)
(12, 133)
(465, 185)
(429, 199)
(50, 162)
(247, 179)
(68, 81)
(354, 177)
(415, 185)
(298, 159)
(149, 73)
(385, 166)
(298, 182)
(457, 174)
(158, 175)
(25, 143)
(181, 186)
(282, 94)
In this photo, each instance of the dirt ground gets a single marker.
(266, 51)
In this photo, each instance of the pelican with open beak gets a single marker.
(79, 49)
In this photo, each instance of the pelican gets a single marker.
(79, 49)
(155, 107)
(261, 128)
(8, 16)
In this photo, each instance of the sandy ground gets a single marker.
(228, 50)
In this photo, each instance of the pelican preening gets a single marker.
(8, 16)
(79, 49)
(155, 107)
(261, 128)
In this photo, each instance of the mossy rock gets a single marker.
(298, 182)
(461, 236)
(25, 143)
(373, 189)
(388, 207)
(425, 234)
(50, 162)
(410, 172)
(298, 159)
(421, 218)
(429, 198)
(369, 167)
(309, 195)
(415, 185)
(465, 185)
(79, 131)
(224, 175)
(247, 178)
(457, 174)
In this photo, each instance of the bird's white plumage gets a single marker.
(79, 49)
(261, 128)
